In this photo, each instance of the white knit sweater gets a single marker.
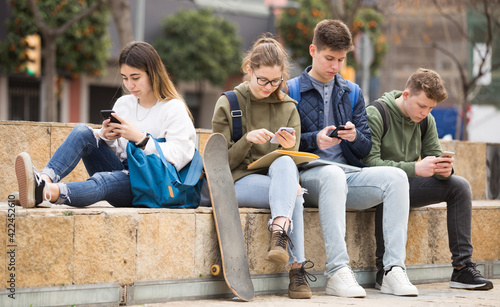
(167, 119)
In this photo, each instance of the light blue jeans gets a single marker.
(331, 190)
(277, 190)
(109, 176)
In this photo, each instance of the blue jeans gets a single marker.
(109, 176)
(277, 191)
(331, 190)
(457, 194)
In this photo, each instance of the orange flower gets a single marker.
(372, 24)
(315, 12)
(357, 24)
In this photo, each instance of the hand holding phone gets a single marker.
(334, 133)
(447, 154)
(274, 140)
(107, 114)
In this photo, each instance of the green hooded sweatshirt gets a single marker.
(269, 113)
(402, 145)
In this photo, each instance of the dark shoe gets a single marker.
(469, 278)
(299, 287)
(379, 279)
(29, 181)
(278, 252)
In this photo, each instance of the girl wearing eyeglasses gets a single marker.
(264, 109)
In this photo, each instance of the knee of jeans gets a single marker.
(397, 177)
(283, 164)
(332, 175)
(461, 187)
(82, 130)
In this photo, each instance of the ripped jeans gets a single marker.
(109, 176)
(277, 191)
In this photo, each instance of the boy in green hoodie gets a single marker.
(401, 144)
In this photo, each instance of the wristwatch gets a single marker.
(143, 142)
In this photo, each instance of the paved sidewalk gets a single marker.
(438, 294)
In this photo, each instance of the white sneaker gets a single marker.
(396, 282)
(343, 283)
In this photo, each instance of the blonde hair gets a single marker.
(266, 51)
(143, 56)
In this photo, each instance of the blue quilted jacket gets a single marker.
(311, 111)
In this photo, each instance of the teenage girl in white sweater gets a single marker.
(154, 107)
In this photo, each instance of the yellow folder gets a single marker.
(299, 157)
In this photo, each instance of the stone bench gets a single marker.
(102, 255)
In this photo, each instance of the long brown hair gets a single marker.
(143, 56)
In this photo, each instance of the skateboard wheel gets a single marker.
(215, 269)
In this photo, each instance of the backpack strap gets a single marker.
(294, 89)
(382, 108)
(354, 94)
(235, 115)
(423, 127)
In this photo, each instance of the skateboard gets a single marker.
(227, 219)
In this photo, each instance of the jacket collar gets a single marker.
(306, 84)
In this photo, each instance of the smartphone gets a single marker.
(107, 114)
(334, 133)
(447, 154)
(274, 140)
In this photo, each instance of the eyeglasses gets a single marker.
(265, 81)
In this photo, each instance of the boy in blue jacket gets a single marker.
(324, 105)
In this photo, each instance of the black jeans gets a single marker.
(457, 194)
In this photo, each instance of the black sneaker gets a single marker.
(29, 181)
(379, 279)
(469, 278)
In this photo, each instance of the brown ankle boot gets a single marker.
(278, 252)
(299, 287)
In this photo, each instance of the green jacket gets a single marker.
(268, 113)
(402, 145)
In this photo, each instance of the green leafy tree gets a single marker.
(197, 45)
(369, 21)
(74, 39)
(296, 26)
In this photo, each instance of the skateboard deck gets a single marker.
(227, 218)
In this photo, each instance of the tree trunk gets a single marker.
(51, 114)
(49, 52)
(120, 9)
